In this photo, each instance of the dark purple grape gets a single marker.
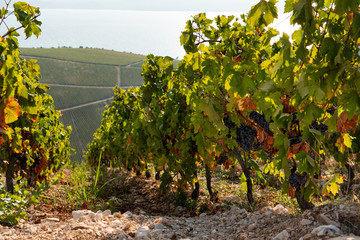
(260, 120)
(319, 127)
(331, 110)
(295, 140)
(297, 180)
(245, 136)
(228, 123)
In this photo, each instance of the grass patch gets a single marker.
(62, 72)
(131, 77)
(84, 122)
(73, 96)
(84, 55)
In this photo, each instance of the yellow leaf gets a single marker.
(347, 140)
(227, 84)
(12, 110)
(333, 185)
(340, 144)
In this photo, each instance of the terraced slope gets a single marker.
(81, 83)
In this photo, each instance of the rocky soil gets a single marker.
(141, 211)
(324, 222)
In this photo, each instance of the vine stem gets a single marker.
(22, 26)
(243, 164)
(4, 17)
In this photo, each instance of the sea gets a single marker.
(141, 32)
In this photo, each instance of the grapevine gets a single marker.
(239, 93)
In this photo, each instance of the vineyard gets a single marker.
(239, 97)
(78, 87)
(74, 73)
(246, 112)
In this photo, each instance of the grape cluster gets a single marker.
(319, 127)
(229, 124)
(260, 120)
(297, 180)
(245, 136)
(222, 158)
(331, 110)
(294, 120)
(295, 140)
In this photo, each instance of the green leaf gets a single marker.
(255, 14)
(310, 189)
(311, 112)
(346, 5)
(332, 123)
(262, 13)
(302, 85)
(23, 91)
(208, 108)
(297, 36)
(288, 6)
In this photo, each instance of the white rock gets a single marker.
(128, 214)
(237, 211)
(116, 224)
(52, 219)
(325, 220)
(80, 226)
(7, 231)
(106, 213)
(159, 226)
(117, 214)
(143, 231)
(67, 227)
(284, 235)
(165, 221)
(155, 233)
(79, 213)
(325, 230)
(305, 222)
(280, 209)
(266, 209)
(346, 238)
(251, 227)
(268, 213)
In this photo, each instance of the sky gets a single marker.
(138, 26)
(151, 5)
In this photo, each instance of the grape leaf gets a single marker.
(12, 110)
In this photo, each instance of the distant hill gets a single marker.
(81, 82)
(85, 55)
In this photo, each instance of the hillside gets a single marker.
(85, 55)
(81, 83)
